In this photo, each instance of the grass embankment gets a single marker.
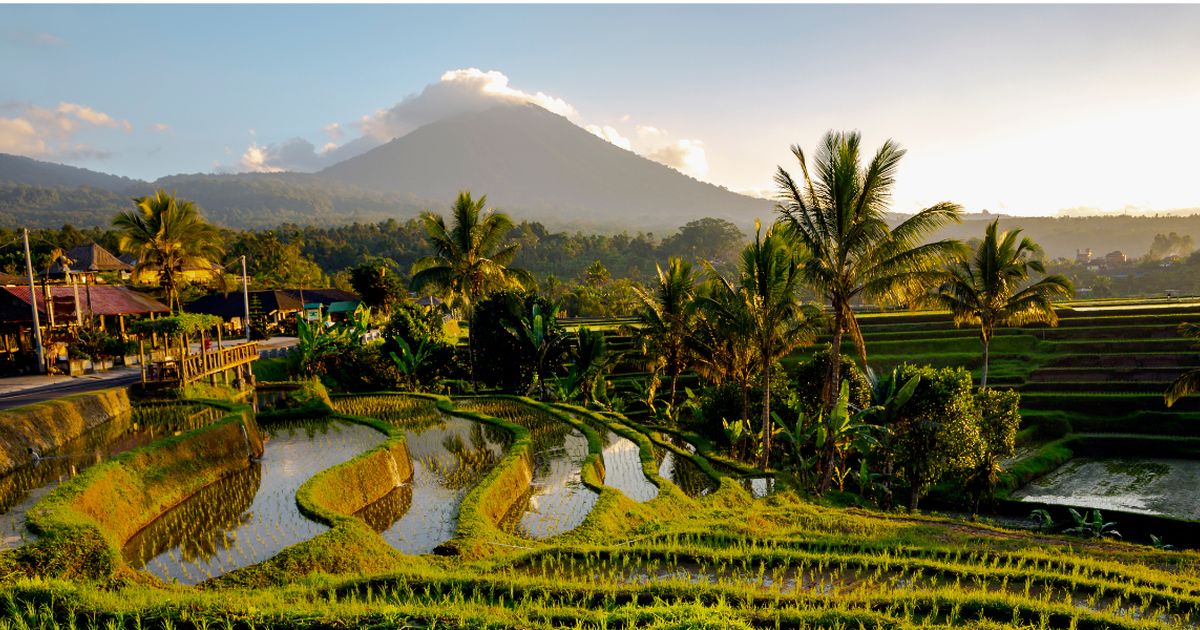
(83, 523)
(48, 425)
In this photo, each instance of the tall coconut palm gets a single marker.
(839, 216)
(665, 319)
(987, 290)
(1189, 382)
(766, 298)
(470, 259)
(167, 234)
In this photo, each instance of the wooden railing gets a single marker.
(196, 366)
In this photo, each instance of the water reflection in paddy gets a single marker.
(557, 501)
(622, 463)
(251, 515)
(1162, 487)
(448, 457)
(682, 471)
(24, 487)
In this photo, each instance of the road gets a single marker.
(58, 390)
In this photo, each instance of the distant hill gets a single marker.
(22, 170)
(1061, 236)
(538, 165)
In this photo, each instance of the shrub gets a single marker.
(937, 431)
(809, 379)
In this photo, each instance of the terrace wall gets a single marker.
(48, 425)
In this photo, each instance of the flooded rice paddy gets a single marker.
(1160, 487)
(682, 471)
(24, 487)
(622, 463)
(448, 458)
(557, 501)
(251, 515)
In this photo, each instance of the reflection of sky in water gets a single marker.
(253, 516)
(559, 501)
(623, 467)
(448, 459)
(1162, 487)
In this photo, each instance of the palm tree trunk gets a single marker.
(765, 458)
(471, 350)
(829, 392)
(986, 347)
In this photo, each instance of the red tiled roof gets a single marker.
(104, 300)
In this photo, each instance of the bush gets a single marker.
(809, 379)
(421, 326)
(937, 431)
(501, 360)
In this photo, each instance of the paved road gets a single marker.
(58, 390)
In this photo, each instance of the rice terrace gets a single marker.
(667, 343)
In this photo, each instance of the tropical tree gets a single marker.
(665, 320)
(766, 297)
(838, 215)
(470, 259)
(166, 234)
(1189, 382)
(986, 290)
(538, 332)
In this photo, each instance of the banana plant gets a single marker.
(410, 360)
(1092, 525)
(540, 333)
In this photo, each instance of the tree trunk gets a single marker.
(986, 347)
(833, 371)
(765, 458)
(471, 351)
(913, 498)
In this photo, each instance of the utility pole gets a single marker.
(246, 299)
(37, 325)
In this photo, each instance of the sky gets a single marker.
(1021, 109)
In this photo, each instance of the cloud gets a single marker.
(458, 92)
(34, 38)
(160, 127)
(686, 156)
(609, 133)
(49, 133)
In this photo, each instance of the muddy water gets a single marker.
(448, 458)
(24, 487)
(1161, 487)
(252, 515)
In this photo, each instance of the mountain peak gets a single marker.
(540, 165)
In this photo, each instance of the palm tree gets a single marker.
(840, 218)
(665, 319)
(1189, 382)
(765, 297)
(167, 234)
(470, 259)
(986, 291)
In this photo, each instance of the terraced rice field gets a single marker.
(21, 489)
(251, 515)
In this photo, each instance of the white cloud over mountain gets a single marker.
(44, 132)
(458, 92)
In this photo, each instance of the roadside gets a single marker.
(27, 390)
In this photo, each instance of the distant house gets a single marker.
(89, 261)
(1083, 256)
(1113, 259)
(7, 280)
(203, 273)
(275, 307)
